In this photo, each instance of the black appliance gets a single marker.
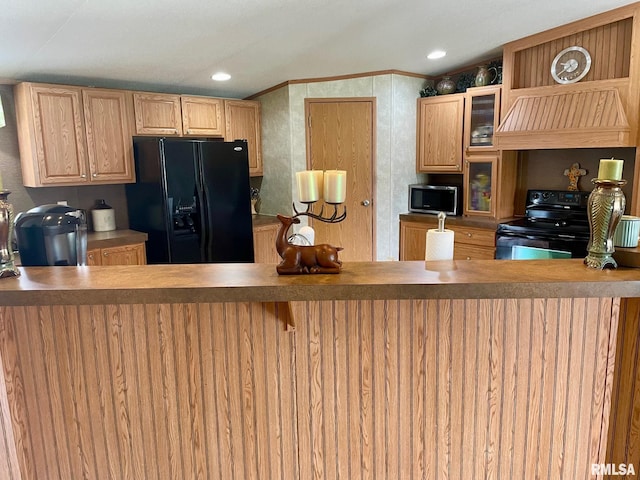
(435, 199)
(556, 226)
(192, 198)
(52, 235)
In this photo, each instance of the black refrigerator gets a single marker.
(192, 198)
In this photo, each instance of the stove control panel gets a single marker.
(557, 198)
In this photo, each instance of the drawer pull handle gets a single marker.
(469, 235)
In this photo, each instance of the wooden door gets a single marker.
(242, 118)
(109, 144)
(202, 116)
(340, 136)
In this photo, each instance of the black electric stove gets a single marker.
(556, 226)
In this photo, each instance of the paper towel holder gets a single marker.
(441, 218)
(439, 242)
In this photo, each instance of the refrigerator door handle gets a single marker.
(203, 209)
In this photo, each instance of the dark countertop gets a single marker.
(114, 238)
(489, 223)
(206, 283)
(259, 220)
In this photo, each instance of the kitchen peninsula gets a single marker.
(388, 370)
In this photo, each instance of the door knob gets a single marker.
(365, 203)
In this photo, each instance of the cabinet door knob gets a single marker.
(106, 254)
(365, 203)
(469, 234)
(84, 175)
(95, 174)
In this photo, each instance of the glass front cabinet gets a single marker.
(480, 185)
(481, 157)
(482, 114)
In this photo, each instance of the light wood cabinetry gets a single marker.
(202, 116)
(107, 116)
(439, 134)
(176, 115)
(242, 119)
(481, 118)
(134, 254)
(157, 114)
(470, 243)
(448, 123)
(73, 136)
(456, 134)
(264, 243)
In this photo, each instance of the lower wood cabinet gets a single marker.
(264, 243)
(133, 254)
(470, 243)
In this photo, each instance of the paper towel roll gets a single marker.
(439, 245)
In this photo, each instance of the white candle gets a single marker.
(319, 181)
(610, 169)
(335, 186)
(307, 189)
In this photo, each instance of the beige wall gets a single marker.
(284, 146)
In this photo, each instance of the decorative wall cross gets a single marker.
(574, 173)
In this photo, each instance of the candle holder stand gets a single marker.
(605, 207)
(304, 259)
(7, 265)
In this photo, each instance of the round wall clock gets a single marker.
(571, 65)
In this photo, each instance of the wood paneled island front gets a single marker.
(390, 370)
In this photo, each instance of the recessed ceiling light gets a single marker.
(220, 76)
(436, 54)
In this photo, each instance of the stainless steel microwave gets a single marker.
(434, 199)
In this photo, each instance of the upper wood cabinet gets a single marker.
(178, 115)
(243, 123)
(448, 123)
(73, 136)
(439, 134)
(157, 114)
(481, 118)
(202, 116)
(107, 116)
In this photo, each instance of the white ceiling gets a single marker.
(175, 45)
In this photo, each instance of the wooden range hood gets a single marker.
(593, 118)
(602, 110)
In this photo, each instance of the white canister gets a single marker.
(627, 232)
(103, 216)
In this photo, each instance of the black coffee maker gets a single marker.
(52, 235)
